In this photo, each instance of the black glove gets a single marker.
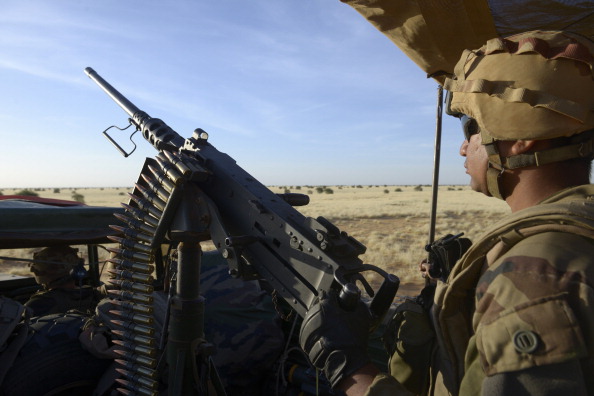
(335, 339)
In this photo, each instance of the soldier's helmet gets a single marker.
(532, 86)
(53, 263)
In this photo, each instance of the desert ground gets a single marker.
(391, 221)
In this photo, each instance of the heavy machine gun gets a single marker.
(190, 193)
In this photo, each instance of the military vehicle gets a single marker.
(42, 355)
(266, 359)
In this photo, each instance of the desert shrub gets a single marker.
(319, 190)
(287, 191)
(386, 191)
(78, 197)
(56, 190)
(27, 192)
(328, 190)
(398, 189)
(419, 188)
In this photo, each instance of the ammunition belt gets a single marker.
(147, 217)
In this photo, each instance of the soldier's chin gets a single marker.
(479, 188)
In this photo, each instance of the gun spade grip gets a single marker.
(349, 297)
(384, 296)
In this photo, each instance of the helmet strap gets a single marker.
(495, 169)
(579, 146)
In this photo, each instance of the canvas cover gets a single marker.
(433, 33)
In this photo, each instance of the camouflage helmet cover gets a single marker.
(53, 262)
(535, 85)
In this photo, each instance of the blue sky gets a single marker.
(298, 92)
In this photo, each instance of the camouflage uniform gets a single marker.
(517, 313)
(82, 299)
(239, 319)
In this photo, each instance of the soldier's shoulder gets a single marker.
(41, 303)
(533, 302)
(539, 265)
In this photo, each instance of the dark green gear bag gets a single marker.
(14, 321)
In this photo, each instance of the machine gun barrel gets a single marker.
(154, 130)
(120, 99)
(259, 233)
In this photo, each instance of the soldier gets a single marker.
(55, 269)
(516, 315)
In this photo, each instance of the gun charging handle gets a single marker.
(385, 295)
(349, 296)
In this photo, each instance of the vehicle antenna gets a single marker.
(436, 161)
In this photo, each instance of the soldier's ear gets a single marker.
(521, 146)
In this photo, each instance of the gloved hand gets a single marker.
(335, 339)
(443, 255)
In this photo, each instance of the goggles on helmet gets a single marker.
(469, 124)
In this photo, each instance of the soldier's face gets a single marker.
(42, 272)
(476, 163)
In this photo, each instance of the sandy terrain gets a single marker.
(391, 221)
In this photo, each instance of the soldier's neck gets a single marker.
(527, 187)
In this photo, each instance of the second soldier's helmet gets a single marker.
(53, 264)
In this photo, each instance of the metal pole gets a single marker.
(436, 160)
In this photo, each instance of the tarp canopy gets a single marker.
(38, 222)
(433, 33)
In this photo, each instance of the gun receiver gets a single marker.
(259, 233)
